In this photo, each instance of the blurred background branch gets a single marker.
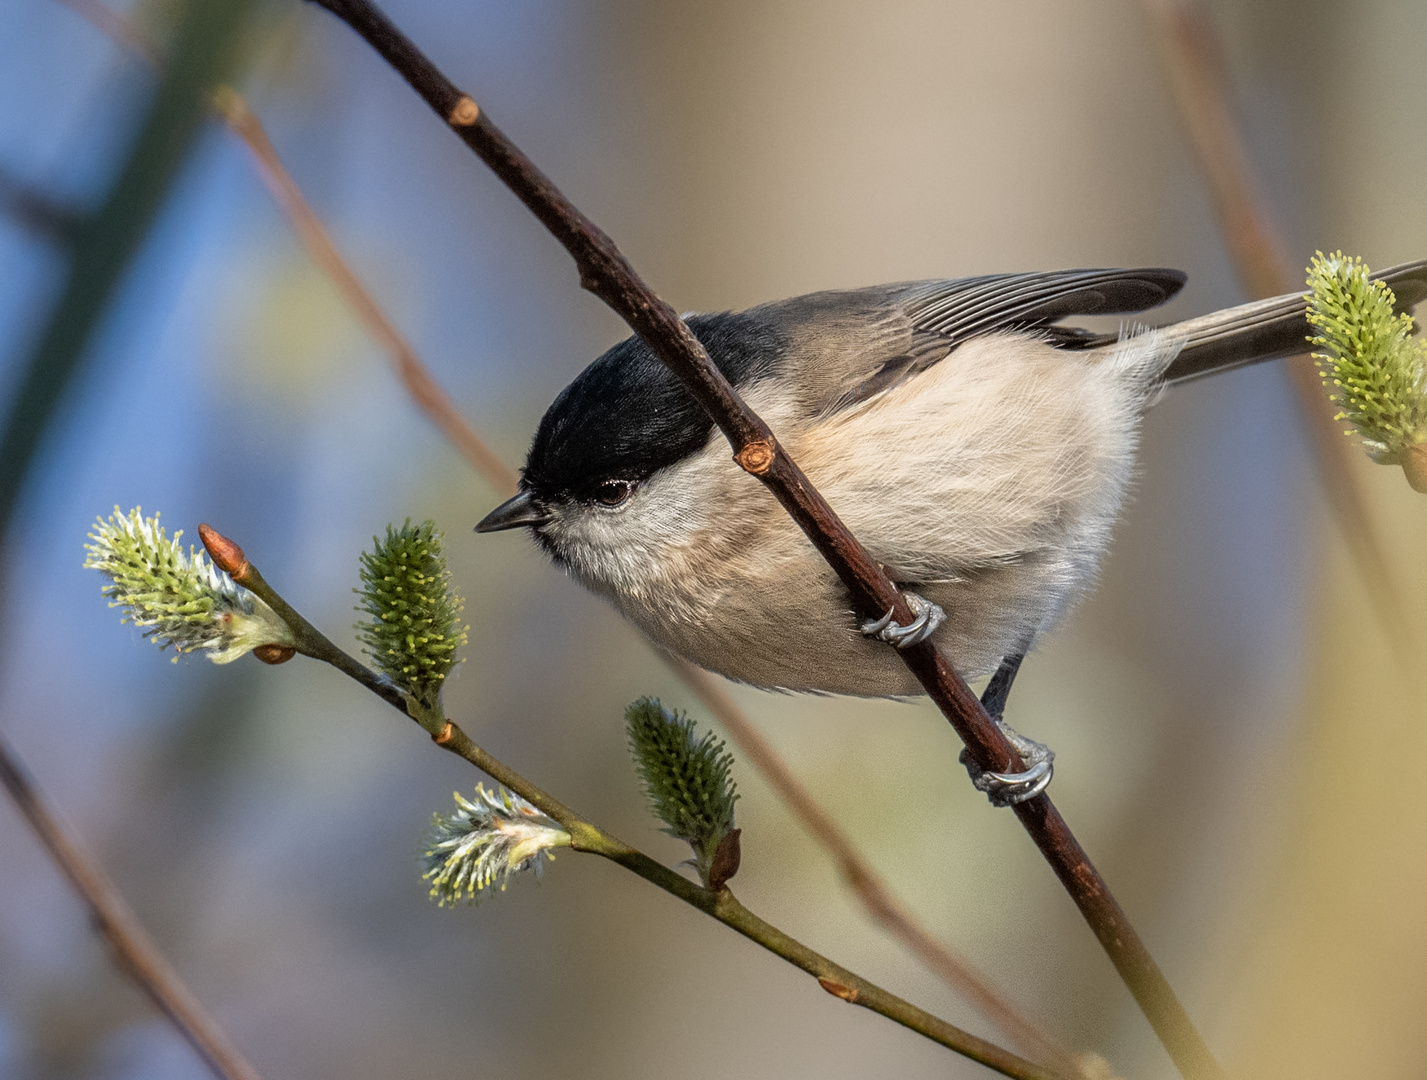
(134, 952)
(99, 247)
(102, 244)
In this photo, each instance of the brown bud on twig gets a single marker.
(226, 555)
(1414, 464)
(838, 990)
(274, 654)
(725, 861)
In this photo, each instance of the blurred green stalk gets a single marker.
(203, 50)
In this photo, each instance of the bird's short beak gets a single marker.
(513, 513)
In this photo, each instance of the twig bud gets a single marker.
(756, 457)
(1414, 465)
(726, 860)
(226, 554)
(464, 113)
(838, 990)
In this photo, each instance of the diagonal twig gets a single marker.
(133, 950)
(881, 903)
(605, 272)
(870, 888)
(1191, 46)
(428, 394)
(865, 883)
(715, 901)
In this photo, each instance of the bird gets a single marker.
(978, 445)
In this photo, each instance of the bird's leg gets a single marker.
(993, 698)
(1007, 789)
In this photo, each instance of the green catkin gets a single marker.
(413, 630)
(178, 598)
(1374, 369)
(686, 777)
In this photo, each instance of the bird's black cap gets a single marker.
(627, 415)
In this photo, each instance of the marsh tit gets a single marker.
(978, 447)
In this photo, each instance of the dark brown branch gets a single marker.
(134, 951)
(1190, 43)
(606, 273)
(875, 894)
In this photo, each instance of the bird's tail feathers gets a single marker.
(1268, 329)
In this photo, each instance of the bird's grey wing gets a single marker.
(851, 346)
(958, 311)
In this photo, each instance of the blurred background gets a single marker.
(1235, 733)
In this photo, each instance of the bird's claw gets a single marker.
(926, 618)
(1007, 789)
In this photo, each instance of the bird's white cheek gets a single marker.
(610, 552)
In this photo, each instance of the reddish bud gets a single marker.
(274, 654)
(226, 555)
(725, 860)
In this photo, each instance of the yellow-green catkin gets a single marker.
(1374, 369)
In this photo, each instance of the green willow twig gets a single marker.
(588, 837)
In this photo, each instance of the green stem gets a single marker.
(587, 837)
(725, 907)
(312, 642)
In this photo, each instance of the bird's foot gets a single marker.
(926, 618)
(1007, 789)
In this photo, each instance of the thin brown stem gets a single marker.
(313, 235)
(427, 393)
(133, 950)
(1194, 60)
(604, 271)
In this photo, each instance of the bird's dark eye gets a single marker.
(614, 492)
